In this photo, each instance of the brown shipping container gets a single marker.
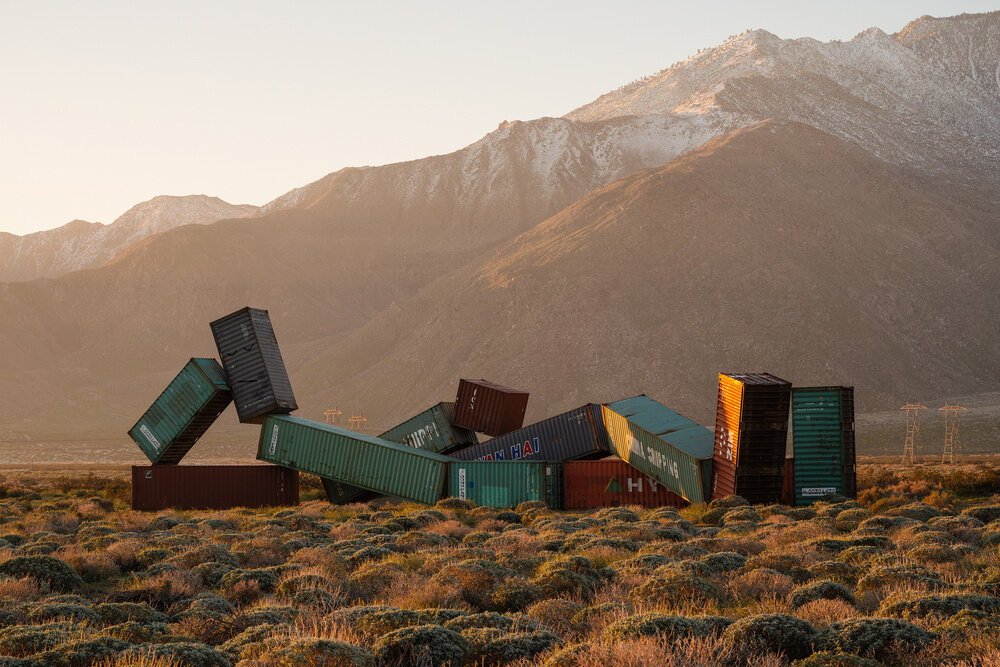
(489, 408)
(610, 483)
(158, 487)
(788, 483)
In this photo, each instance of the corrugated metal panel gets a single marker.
(610, 483)
(554, 485)
(497, 483)
(433, 431)
(183, 412)
(572, 435)
(250, 355)
(788, 483)
(489, 408)
(751, 433)
(213, 486)
(339, 493)
(850, 452)
(661, 443)
(823, 462)
(352, 458)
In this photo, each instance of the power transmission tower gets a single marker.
(331, 416)
(358, 422)
(912, 428)
(952, 413)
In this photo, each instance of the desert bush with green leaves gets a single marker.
(909, 574)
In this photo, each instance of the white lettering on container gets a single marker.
(274, 440)
(818, 490)
(461, 483)
(149, 436)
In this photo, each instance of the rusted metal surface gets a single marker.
(572, 435)
(489, 408)
(250, 355)
(158, 487)
(610, 483)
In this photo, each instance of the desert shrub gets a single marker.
(820, 590)
(506, 648)
(316, 599)
(616, 514)
(452, 504)
(760, 582)
(879, 577)
(9, 617)
(687, 566)
(212, 572)
(422, 644)
(568, 574)
(368, 553)
(42, 612)
(300, 582)
(380, 622)
(969, 622)
(428, 516)
(253, 640)
(918, 511)
(209, 552)
(268, 615)
(644, 563)
(419, 539)
(828, 659)
(475, 578)
(834, 545)
(984, 513)
(672, 627)
(206, 605)
(933, 553)
(374, 577)
(859, 555)
(724, 561)
(266, 581)
(771, 633)
(135, 632)
(515, 623)
(850, 519)
(184, 654)
(25, 640)
(163, 523)
(740, 514)
(836, 571)
(555, 613)
(729, 502)
(939, 605)
(514, 595)
(309, 652)
(674, 587)
(82, 653)
(51, 572)
(783, 563)
(877, 638)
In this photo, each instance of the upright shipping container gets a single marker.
(432, 430)
(657, 441)
(498, 483)
(250, 355)
(489, 408)
(788, 483)
(219, 487)
(824, 457)
(554, 485)
(612, 483)
(751, 433)
(352, 458)
(183, 412)
(572, 435)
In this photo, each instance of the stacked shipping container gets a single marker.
(489, 408)
(751, 432)
(572, 435)
(612, 483)
(823, 442)
(498, 483)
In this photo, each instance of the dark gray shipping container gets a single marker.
(489, 408)
(252, 361)
(340, 493)
(577, 434)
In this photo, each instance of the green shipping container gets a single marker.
(432, 431)
(822, 442)
(183, 412)
(663, 444)
(352, 458)
(504, 484)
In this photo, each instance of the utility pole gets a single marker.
(331, 416)
(952, 413)
(912, 428)
(358, 422)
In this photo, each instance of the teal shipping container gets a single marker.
(432, 430)
(822, 442)
(502, 484)
(183, 412)
(554, 485)
(351, 458)
(663, 444)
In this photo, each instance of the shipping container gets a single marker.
(661, 443)
(353, 458)
(611, 483)
(788, 483)
(433, 430)
(249, 353)
(554, 485)
(159, 487)
(502, 484)
(489, 408)
(183, 412)
(823, 455)
(751, 433)
(339, 493)
(572, 435)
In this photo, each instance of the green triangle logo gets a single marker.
(613, 486)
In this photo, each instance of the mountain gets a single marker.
(770, 204)
(81, 245)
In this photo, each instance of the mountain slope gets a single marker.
(81, 245)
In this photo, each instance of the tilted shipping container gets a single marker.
(432, 430)
(498, 483)
(824, 459)
(160, 487)
(183, 412)
(572, 435)
(751, 433)
(612, 483)
(352, 458)
(661, 443)
(489, 408)
(249, 353)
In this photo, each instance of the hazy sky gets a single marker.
(106, 104)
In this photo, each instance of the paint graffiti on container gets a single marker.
(517, 451)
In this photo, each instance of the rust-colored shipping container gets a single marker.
(788, 483)
(610, 483)
(489, 408)
(751, 433)
(158, 487)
